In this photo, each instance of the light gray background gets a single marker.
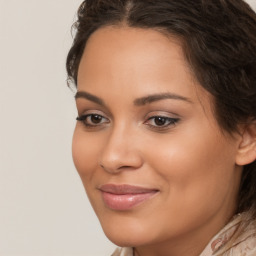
(43, 207)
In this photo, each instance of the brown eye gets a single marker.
(93, 120)
(96, 119)
(160, 121)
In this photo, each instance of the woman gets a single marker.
(165, 142)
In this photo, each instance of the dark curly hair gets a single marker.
(219, 42)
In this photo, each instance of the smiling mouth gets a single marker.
(125, 197)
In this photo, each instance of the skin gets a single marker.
(191, 162)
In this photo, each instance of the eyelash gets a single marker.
(84, 120)
(169, 120)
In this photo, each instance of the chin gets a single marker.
(127, 240)
(127, 233)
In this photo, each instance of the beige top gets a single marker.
(244, 245)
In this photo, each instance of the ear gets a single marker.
(246, 153)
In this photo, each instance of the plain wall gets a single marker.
(43, 208)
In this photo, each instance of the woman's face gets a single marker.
(154, 163)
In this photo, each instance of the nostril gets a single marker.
(117, 169)
(126, 167)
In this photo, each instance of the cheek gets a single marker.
(193, 166)
(85, 153)
(197, 178)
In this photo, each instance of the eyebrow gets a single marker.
(137, 102)
(90, 97)
(162, 96)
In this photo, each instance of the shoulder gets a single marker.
(243, 240)
(238, 237)
(245, 246)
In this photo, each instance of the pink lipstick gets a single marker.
(125, 197)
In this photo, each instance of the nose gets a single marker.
(120, 152)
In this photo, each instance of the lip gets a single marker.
(125, 197)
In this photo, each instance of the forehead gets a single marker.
(136, 61)
(112, 39)
(127, 50)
